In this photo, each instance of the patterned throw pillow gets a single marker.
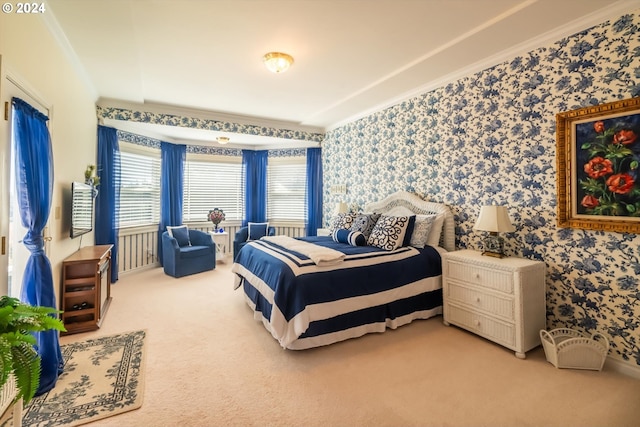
(390, 232)
(343, 220)
(353, 238)
(421, 230)
(364, 223)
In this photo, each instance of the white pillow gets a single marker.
(436, 230)
(421, 230)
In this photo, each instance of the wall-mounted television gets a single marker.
(81, 209)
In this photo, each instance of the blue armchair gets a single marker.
(242, 236)
(180, 261)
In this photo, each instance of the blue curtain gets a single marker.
(254, 169)
(314, 191)
(34, 190)
(171, 188)
(108, 199)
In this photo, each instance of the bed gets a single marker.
(306, 300)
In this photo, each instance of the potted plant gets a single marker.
(17, 353)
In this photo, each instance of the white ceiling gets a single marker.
(352, 57)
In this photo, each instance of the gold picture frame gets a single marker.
(598, 158)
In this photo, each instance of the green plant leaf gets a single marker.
(26, 367)
(18, 321)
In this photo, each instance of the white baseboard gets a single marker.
(625, 368)
(139, 269)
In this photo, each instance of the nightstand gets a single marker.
(222, 242)
(500, 299)
(323, 232)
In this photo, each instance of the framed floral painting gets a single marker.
(598, 158)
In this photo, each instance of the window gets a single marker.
(212, 182)
(139, 186)
(286, 182)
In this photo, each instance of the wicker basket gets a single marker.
(566, 348)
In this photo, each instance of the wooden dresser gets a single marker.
(86, 288)
(501, 299)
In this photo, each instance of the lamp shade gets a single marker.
(494, 218)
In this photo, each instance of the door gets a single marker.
(13, 254)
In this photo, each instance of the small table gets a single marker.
(221, 240)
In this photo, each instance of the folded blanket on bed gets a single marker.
(320, 255)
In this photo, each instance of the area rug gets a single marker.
(102, 377)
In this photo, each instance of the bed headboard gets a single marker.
(420, 206)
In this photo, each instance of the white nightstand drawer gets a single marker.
(493, 304)
(502, 333)
(492, 279)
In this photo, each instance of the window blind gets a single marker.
(212, 184)
(286, 182)
(139, 189)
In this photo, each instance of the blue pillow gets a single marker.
(407, 236)
(257, 230)
(353, 238)
(181, 234)
(365, 223)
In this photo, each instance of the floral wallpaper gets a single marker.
(490, 138)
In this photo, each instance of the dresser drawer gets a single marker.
(493, 304)
(500, 332)
(492, 279)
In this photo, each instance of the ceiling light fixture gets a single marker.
(277, 62)
(222, 140)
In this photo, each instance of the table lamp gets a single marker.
(494, 219)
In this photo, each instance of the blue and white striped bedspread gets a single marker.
(291, 293)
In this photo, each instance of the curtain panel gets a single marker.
(314, 191)
(108, 199)
(173, 157)
(254, 170)
(34, 189)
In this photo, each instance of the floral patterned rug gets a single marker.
(102, 377)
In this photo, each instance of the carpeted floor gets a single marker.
(102, 377)
(209, 363)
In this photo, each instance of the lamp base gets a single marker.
(493, 254)
(493, 245)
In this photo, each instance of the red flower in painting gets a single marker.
(598, 167)
(589, 202)
(620, 183)
(598, 126)
(624, 137)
